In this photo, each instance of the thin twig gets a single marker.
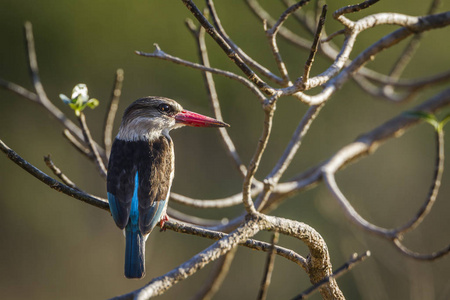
(354, 260)
(19, 90)
(272, 36)
(216, 277)
(354, 8)
(319, 264)
(366, 144)
(193, 220)
(411, 25)
(327, 50)
(41, 97)
(314, 45)
(303, 17)
(112, 110)
(78, 145)
(284, 32)
(332, 36)
(420, 256)
(249, 243)
(256, 159)
(434, 189)
(246, 58)
(213, 97)
(90, 142)
(158, 53)
(270, 262)
(216, 203)
(58, 173)
(412, 86)
(285, 160)
(263, 86)
(408, 52)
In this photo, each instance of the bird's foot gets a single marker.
(163, 221)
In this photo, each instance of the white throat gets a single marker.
(146, 129)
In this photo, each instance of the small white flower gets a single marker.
(80, 99)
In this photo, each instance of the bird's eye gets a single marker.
(165, 108)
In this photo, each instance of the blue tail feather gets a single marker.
(134, 252)
(135, 241)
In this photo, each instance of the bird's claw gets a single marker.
(163, 220)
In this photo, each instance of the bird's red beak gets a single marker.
(190, 118)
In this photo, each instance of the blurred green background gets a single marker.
(52, 246)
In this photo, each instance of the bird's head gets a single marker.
(150, 117)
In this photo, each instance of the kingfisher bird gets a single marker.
(141, 170)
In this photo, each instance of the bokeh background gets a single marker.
(54, 247)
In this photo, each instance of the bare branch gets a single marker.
(58, 173)
(256, 159)
(354, 8)
(249, 243)
(393, 128)
(284, 32)
(434, 189)
(319, 265)
(78, 145)
(270, 262)
(192, 220)
(354, 260)
(366, 144)
(247, 59)
(408, 52)
(332, 36)
(52, 183)
(419, 256)
(158, 53)
(214, 99)
(413, 25)
(41, 97)
(112, 110)
(314, 45)
(17, 89)
(90, 142)
(288, 155)
(264, 87)
(216, 277)
(272, 35)
(304, 18)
